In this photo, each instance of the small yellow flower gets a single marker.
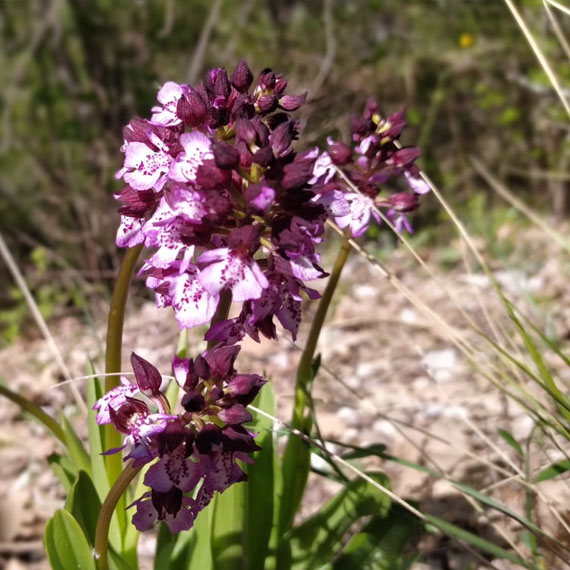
(466, 40)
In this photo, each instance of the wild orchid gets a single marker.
(229, 210)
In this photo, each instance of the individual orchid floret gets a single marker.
(235, 270)
(166, 115)
(114, 399)
(174, 508)
(146, 163)
(196, 147)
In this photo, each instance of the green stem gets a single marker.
(305, 369)
(117, 317)
(296, 458)
(37, 412)
(112, 438)
(113, 350)
(104, 520)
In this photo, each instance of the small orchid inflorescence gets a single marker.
(227, 206)
(200, 444)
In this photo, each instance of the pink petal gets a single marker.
(148, 165)
(168, 95)
(129, 233)
(196, 151)
(193, 305)
(174, 471)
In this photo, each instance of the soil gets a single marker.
(389, 376)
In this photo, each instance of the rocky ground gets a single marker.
(389, 376)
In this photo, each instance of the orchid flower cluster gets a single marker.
(201, 444)
(226, 206)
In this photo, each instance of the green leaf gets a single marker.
(66, 545)
(553, 471)
(116, 562)
(295, 468)
(165, 543)
(476, 541)
(315, 542)
(511, 441)
(380, 544)
(84, 504)
(77, 452)
(548, 382)
(63, 469)
(195, 545)
(227, 536)
(376, 449)
(261, 483)
(498, 506)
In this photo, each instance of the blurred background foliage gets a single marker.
(73, 72)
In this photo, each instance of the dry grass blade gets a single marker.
(359, 473)
(557, 30)
(40, 321)
(558, 6)
(505, 193)
(539, 55)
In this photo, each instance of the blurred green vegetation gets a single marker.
(73, 72)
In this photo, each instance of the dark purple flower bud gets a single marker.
(235, 415)
(217, 83)
(221, 360)
(370, 109)
(136, 131)
(136, 202)
(267, 103)
(404, 202)
(358, 126)
(225, 155)
(292, 102)
(216, 393)
(218, 116)
(192, 109)
(245, 238)
(245, 131)
(405, 156)
(280, 86)
(241, 77)
(242, 108)
(282, 137)
(261, 130)
(299, 172)
(393, 125)
(193, 402)
(168, 503)
(339, 152)
(210, 177)
(207, 437)
(202, 367)
(229, 331)
(237, 438)
(264, 156)
(244, 387)
(245, 156)
(267, 79)
(148, 377)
